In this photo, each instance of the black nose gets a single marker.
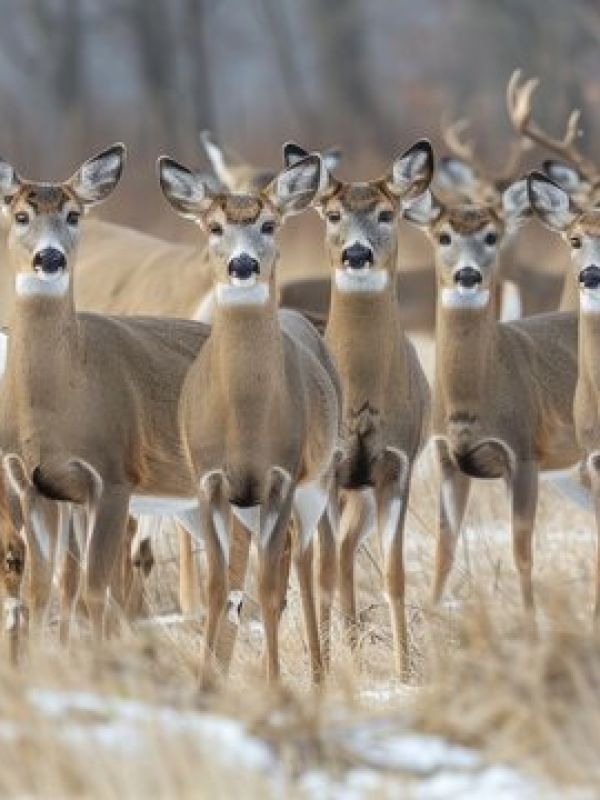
(468, 277)
(243, 267)
(589, 277)
(49, 260)
(356, 256)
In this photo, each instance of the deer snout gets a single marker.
(357, 256)
(589, 277)
(243, 267)
(50, 261)
(468, 277)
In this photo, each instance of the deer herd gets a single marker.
(288, 416)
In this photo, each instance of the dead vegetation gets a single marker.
(129, 721)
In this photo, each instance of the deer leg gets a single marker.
(189, 578)
(274, 521)
(524, 486)
(214, 516)
(358, 517)
(391, 492)
(303, 561)
(239, 552)
(70, 574)
(108, 516)
(133, 584)
(327, 579)
(594, 477)
(454, 495)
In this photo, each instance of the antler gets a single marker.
(452, 134)
(518, 101)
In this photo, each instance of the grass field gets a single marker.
(488, 711)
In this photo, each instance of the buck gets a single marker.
(89, 403)
(503, 392)
(574, 172)
(262, 440)
(385, 396)
(529, 263)
(579, 227)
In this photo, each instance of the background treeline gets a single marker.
(368, 75)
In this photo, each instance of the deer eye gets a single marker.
(386, 216)
(73, 218)
(268, 227)
(575, 242)
(216, 229)
(334, 217)
(444, 239)
(21, 218)
(490, 239)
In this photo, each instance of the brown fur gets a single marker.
(502, 407)
(385, 402)
(120, 378)
(268, 426)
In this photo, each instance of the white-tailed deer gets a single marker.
(415, 287)
(503, 393)
(259, 409)
(529, 262)
(385, 396)
(580, 229)
(89, 402)
(575, 173)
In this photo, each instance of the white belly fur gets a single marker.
(161, 506)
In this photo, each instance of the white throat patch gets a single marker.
(589, 301)
(465, 298)
(31, 285)
(256, 294)
(369, 280)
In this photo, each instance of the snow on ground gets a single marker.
(369, 757)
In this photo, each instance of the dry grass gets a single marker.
(477, 679)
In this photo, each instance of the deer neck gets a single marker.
(362, 333)
(465, 344)
(247, 365)
(42, 354)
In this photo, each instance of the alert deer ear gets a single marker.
(455, 175)
(9, 182)
(516, 207)
(97, 177)
(412, 172)
(294, 189)
(293, 153)
(550, 202)
(565, 176)
(186, 191)
(422, 210)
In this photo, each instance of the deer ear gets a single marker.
(412, 172)
(515, 203)
(422, 210)
(293, 153)
(294, 189)
(565, 176)
(9, 182)
(550, 202)
(455, 175)
(97, 177)
(186, 191)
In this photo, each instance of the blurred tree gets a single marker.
(350, 99)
